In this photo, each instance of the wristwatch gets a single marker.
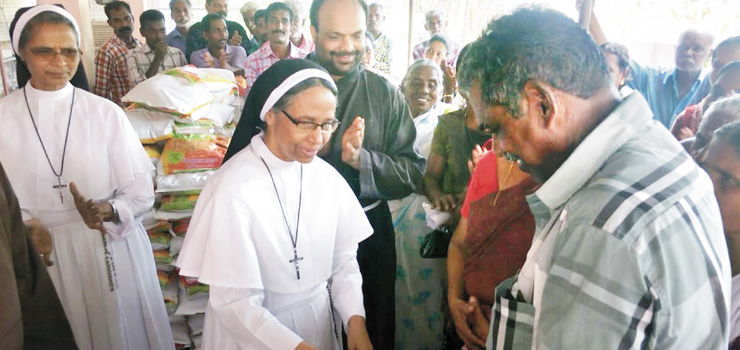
(114, 215)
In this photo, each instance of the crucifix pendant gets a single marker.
(295, 261)
(59, 187)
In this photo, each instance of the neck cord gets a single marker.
(66, 137)
(300, 199)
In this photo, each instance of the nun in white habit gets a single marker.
(81, 175)
(275, 231)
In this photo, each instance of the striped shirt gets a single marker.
(629, 251)
(140, 59)
(264, 58)
(111, 74)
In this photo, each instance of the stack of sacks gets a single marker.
(186, 95)
(185, 119)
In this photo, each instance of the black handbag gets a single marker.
(435, 243)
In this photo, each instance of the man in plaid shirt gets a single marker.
(147, 60)
(383, 44)
(628, 250)
(111, 71)
(279, 22)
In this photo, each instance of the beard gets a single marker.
(335, 68)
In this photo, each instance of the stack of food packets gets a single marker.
(184, 117)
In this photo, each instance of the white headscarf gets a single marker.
(28, 15)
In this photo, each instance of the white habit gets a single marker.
(106, 161)
(239, 244)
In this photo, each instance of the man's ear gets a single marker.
(313, 32)
(539, 98)
(203, 35)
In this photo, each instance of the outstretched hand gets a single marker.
(352, 142)
(450, 78)
(477, 154)
(92, 214)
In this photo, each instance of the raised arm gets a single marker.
(594, 27)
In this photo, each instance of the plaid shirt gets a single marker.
(383, 56)
(111, 73)
(452, 52)
(263, 58)
(629, 250)
(140, 59)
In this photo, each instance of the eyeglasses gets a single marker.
(325, 128)
(48, 54)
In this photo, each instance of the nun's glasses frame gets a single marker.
(325, 128)
(47, 54)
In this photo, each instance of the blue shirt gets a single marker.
(176, 40)
(659, 87)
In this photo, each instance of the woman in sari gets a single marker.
(419, 282)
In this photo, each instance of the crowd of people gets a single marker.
(535, 188)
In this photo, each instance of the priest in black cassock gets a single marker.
(372, 149)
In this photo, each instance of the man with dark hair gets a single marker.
(218, 53)
(382, 43)
(111, 73)
(279, 25)
(146, 61)
(628, 250)
(236, 34)
(436, 24)
(260, 26)
(373, 149)
(181, 12)
(618, 61)
(299, 21)
(668, 91)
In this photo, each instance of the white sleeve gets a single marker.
(240, 312)
(132, 200)
(346, 285)
(352, 228)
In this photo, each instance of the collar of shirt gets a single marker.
(589, 156)
(293, 51)
(134, 43)
(671, 78)
(175, 33)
